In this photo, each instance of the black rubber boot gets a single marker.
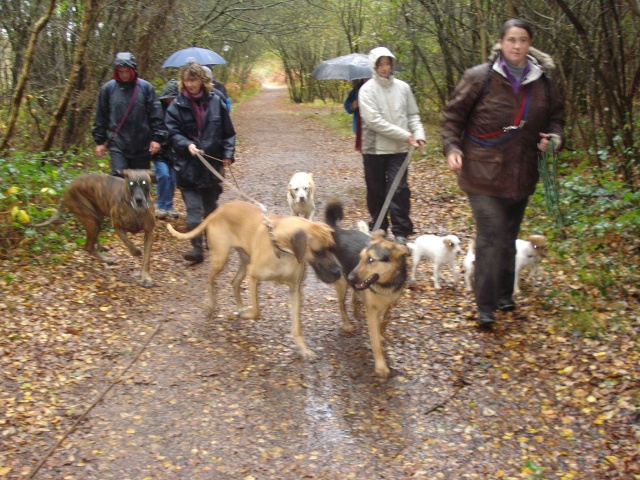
(195, 255)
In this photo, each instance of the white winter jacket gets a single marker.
(389, 111)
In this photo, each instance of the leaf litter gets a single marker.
(230, 398)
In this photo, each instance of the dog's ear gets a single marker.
(378, 235)
(299, 245)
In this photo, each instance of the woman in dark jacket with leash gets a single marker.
(198, 122)
(499, 116)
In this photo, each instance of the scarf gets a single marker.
(198, 106)
(510, 71)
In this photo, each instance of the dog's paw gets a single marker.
(348, 327)
(382, 372)
(247, 313)
(146, 282)
(308, 355)
(136, 252)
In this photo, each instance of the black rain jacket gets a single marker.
(144, 122)
(218, 140)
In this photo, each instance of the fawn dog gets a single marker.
(271, 248)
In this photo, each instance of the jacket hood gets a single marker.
(126, 59)
(374, 55)
(544, 60)
(378, 52)
(170, 90)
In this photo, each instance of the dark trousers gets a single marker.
(379, 173)
(121, 162)
(497, 226)
(199, 202)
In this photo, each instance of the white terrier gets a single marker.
(440, 250)
(529, 254)
(469, 266)
(300, 195)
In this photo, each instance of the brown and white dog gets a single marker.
(469, 266)
(439, 250)
(529, 254)
(376, 269)
(271, 248)
(300, 195)
(127, 201)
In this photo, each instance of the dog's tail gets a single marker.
(334, 213)
(55, 217)
(193, 233)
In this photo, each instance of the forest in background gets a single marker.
(56, 55)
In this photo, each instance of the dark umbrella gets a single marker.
(347, 67)
(203, 56)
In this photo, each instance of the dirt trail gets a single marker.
(230, 399)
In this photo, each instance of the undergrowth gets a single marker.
(30, 187)
(599, 246)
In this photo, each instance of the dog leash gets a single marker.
(265, 217)
(393, 188)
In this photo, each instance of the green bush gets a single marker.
(601, 223)
(30, 188)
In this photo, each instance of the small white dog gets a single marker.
(440, 250)
(529, 254)
(300, 195)
(469, 266)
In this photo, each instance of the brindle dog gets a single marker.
(127, 201)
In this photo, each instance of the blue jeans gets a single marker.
(497, 226)
(166, 184)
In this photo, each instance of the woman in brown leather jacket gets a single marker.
(498, 117)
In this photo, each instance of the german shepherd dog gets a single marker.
(376, 269)
(127, 201)
(272, 248)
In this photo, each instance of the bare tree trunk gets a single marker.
(482, 31)
(24, 75)
(87, 22)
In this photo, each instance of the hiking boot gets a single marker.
(506, 305)
(172, 214)
(161, 213)
(485, 320)
(401, 240)
(195, 256)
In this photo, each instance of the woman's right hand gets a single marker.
(193, 149)
(454, 159)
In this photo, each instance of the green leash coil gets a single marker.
(547, 166)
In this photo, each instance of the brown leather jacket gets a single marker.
(504, 165)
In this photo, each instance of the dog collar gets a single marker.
(269, 226)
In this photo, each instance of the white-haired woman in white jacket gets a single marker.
(390, 125)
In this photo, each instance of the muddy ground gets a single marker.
(231, 399)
